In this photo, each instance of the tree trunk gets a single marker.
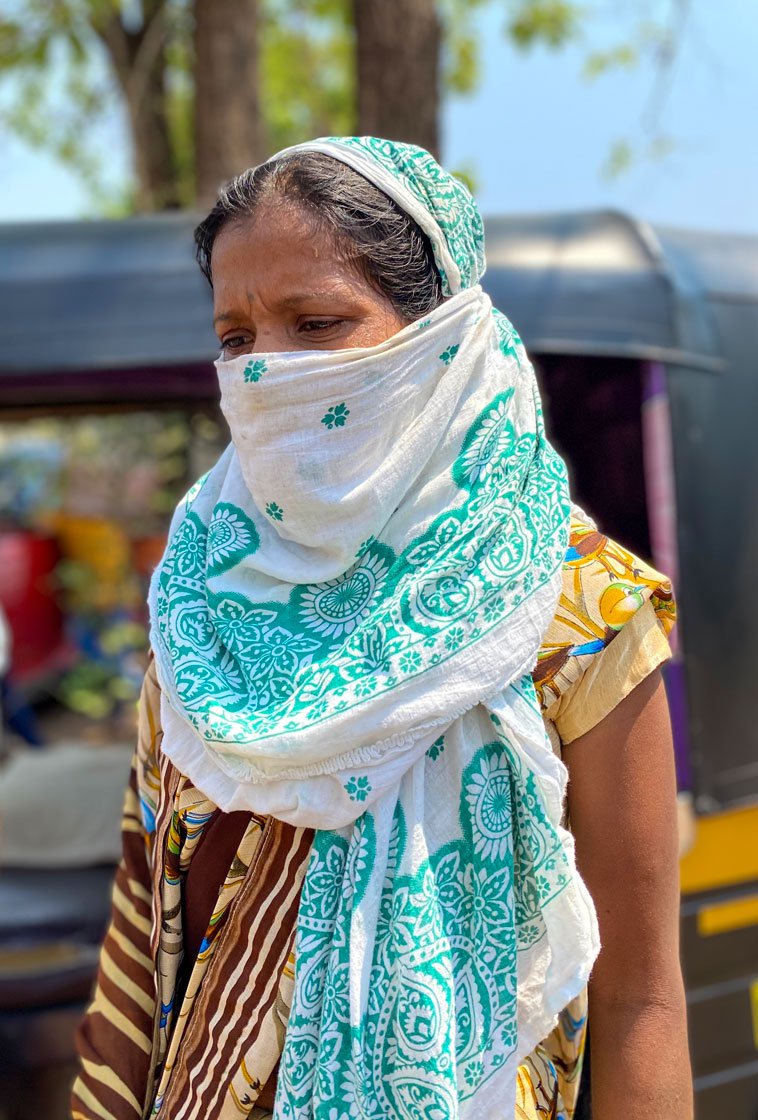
(157, 188)
(228, 130)
(398, 60)
(138, 58)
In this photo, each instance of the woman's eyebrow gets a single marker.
(296, 299)
(224, 317)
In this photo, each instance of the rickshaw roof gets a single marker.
(84, 302)
(603, 283)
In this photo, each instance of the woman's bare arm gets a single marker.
(622, 803)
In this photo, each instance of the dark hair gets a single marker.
(387, 246)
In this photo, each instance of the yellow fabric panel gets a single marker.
(725, 851)
(638, 649)
(738, 913)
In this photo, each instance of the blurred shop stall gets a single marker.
(85, 501)
(107, 412)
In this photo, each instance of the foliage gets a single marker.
(315, 97)
(66, 90)
(460, 61)
(52, 52)
(550, 22)
(656, 43)
(624, 154)
(528, 23)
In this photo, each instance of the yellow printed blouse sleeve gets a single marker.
(115, 1039)
(609, 633)
(636, 651)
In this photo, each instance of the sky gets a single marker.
(536, 134)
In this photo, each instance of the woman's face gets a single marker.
(280, 285)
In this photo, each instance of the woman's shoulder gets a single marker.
(609, 631)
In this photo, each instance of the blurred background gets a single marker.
(612, 148)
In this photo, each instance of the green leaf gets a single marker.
(622, 57)
(620, 159)
(462, 71)
(467, 176)
(550, 22)
(316, 97)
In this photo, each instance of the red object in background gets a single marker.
(147, 553)
(27, 564)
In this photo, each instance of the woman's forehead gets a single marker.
(268, 237)
(263, 264)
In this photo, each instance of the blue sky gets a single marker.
(537, 134)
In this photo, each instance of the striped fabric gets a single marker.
(121, 1017)
(195, 1040)
(207, 1037)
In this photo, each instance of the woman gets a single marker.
(373, 618)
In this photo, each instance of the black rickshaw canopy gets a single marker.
(92, 299)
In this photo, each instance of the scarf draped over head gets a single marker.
(344, 624)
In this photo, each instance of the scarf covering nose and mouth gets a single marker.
(318, 462)
(344, 623)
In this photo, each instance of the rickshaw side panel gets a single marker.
(715, 443)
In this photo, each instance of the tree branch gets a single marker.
(147, 52)
(668, 53)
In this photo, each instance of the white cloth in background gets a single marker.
(61, 806)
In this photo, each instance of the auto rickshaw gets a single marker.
(644, 341)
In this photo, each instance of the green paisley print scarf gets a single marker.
(344, 623)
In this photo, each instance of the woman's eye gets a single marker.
(235, 342)
(313, 326)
